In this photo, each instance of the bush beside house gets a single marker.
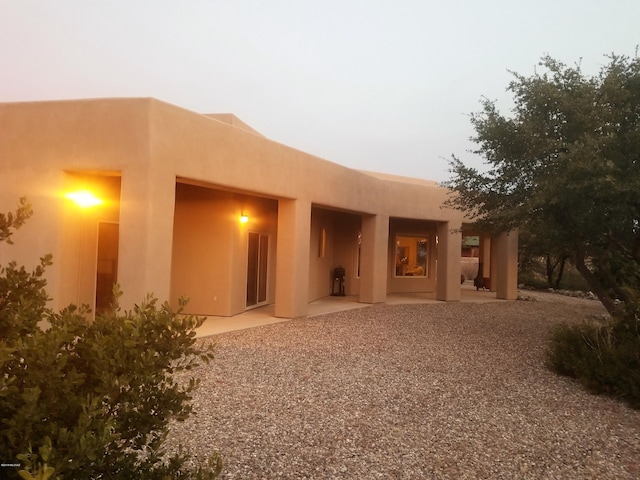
(90, 399)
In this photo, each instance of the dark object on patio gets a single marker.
(480, 281)
(338, 276)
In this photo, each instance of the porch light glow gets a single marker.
(244, 218)
(84, 198)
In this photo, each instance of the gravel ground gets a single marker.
(454, 390)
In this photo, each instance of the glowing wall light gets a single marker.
(244, 218)
(84, 199)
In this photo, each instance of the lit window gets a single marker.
(411, 255)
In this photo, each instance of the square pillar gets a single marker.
(494, 261)
(485, 255)
(449, 254)
(292, 258)
(374, 258)
(506, 255)
(147, 203)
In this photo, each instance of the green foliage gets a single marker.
(115, 378)
(566, 166)
(23, 299)
(43, 471)
(22, 295)
(13, 220)
(92, 399)
(603, 355)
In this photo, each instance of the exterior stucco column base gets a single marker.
(449, 248)
(147, 205)
(292, 262)
(507, 265)
(374, 263)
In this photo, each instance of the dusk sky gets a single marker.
(374, 85)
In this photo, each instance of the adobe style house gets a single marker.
(203, 206)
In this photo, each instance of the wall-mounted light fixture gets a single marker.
(84, 198)
(244, 218)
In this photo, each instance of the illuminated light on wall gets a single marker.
(84, 199)
(244, 218)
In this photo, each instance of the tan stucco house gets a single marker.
(203, 206)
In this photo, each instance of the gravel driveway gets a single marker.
(453, 390)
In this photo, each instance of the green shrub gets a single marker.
(92, 399)
(603, 355)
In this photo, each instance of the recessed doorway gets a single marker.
(107, 265)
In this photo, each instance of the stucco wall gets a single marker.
(262, 219)
(39, 142)
(321, 260)
(209, 261)
(78, 242)
(202, 239)
(204, 149)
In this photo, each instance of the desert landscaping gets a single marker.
(439, 390)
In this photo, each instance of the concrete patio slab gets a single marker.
(260, 316)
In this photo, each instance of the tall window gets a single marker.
(412, 253)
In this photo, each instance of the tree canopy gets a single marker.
(565, 164)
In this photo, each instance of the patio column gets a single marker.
(485, 255)
(374, 255)
(147, 201)
(292, 258)
(449, 253)
(494, 262)
(506, 253)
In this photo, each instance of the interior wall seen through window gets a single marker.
(411, 255)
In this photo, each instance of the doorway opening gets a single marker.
(106, 265)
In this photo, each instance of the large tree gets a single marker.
(565, 163)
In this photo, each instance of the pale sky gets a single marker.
(383, 85)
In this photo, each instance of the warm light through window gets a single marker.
(84, 198)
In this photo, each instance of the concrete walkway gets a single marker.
(265, 315)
